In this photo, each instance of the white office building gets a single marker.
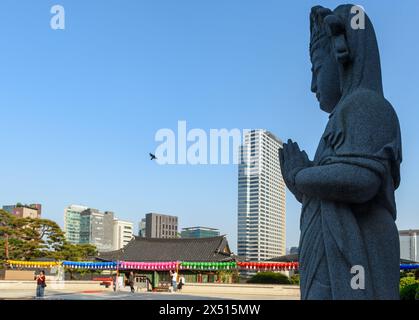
(261, 198)
(123, 232)
(409, 245)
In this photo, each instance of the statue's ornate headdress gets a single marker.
(326, 28)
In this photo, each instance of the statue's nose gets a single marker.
(313, 82)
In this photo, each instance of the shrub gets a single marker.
(407, 281)
(295, 279)
(269, 278)
(409, 291)
(406, 273)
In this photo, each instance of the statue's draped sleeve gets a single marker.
(366, 134)
(363, 136)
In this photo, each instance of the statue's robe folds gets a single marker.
(353, 224)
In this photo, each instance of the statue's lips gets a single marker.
(318, 96)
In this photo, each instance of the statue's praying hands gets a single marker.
(292, 160)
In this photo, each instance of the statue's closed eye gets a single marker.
(316, 69)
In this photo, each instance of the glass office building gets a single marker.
(199, 232)
(261, 198)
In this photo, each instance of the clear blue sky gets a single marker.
(80, 107)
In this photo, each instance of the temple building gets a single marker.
(197, 251)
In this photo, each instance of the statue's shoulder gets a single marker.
(367, 104)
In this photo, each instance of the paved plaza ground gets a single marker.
(192, 293)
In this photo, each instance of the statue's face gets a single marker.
(325, 81)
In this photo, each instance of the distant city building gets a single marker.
(293, 250)
(409, 245)
(24, 211)
(84, 225)
(72, 222)
(123, 231)
(161, 226)
(199, 232)
(142, 228)
(261, 198)
(96, 228)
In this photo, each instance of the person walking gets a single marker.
(114, 281)
(131, 280)
(174, 280)
(181, 282)
(40, 284)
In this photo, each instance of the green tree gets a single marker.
(37, 238)
(42, 237)
(75, 252)
(10, 239)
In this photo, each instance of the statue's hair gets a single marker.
(317, 30)
(327, 30)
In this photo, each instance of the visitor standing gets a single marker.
(174, 280)
(40, 284)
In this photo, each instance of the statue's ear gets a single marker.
(336, 31)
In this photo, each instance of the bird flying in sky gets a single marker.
(152, 156)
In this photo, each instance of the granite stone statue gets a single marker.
(347, 222)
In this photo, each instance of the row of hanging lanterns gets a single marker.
(409, 266)
(208, 265)
(268, 265)
(172, 265)
(90, 265)
(33, 264)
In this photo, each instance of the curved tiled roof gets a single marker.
(156, 249)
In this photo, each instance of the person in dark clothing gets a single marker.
(40, 284)
(131, 280)
(181, 283)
